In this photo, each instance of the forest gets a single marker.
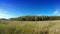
(35, 18)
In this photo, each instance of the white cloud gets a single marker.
(5, 14)
(56, 13)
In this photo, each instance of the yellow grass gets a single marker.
(30, 27)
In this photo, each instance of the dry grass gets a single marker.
(30, 27)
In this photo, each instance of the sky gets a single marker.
(17, 8)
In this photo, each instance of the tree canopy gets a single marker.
(36, 18)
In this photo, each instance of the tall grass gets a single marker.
(30, 27)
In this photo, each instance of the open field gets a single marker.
(30, 27)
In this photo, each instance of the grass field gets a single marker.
(30, 27)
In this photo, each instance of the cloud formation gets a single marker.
(5, 14)
(56, 13)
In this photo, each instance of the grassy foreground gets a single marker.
(29, 27)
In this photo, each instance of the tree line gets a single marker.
(36, 18)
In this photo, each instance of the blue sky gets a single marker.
(16, 8)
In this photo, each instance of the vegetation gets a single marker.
(36, 18)
(30, 27)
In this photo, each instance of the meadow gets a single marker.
(30, 27)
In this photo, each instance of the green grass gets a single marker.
(30, 27)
